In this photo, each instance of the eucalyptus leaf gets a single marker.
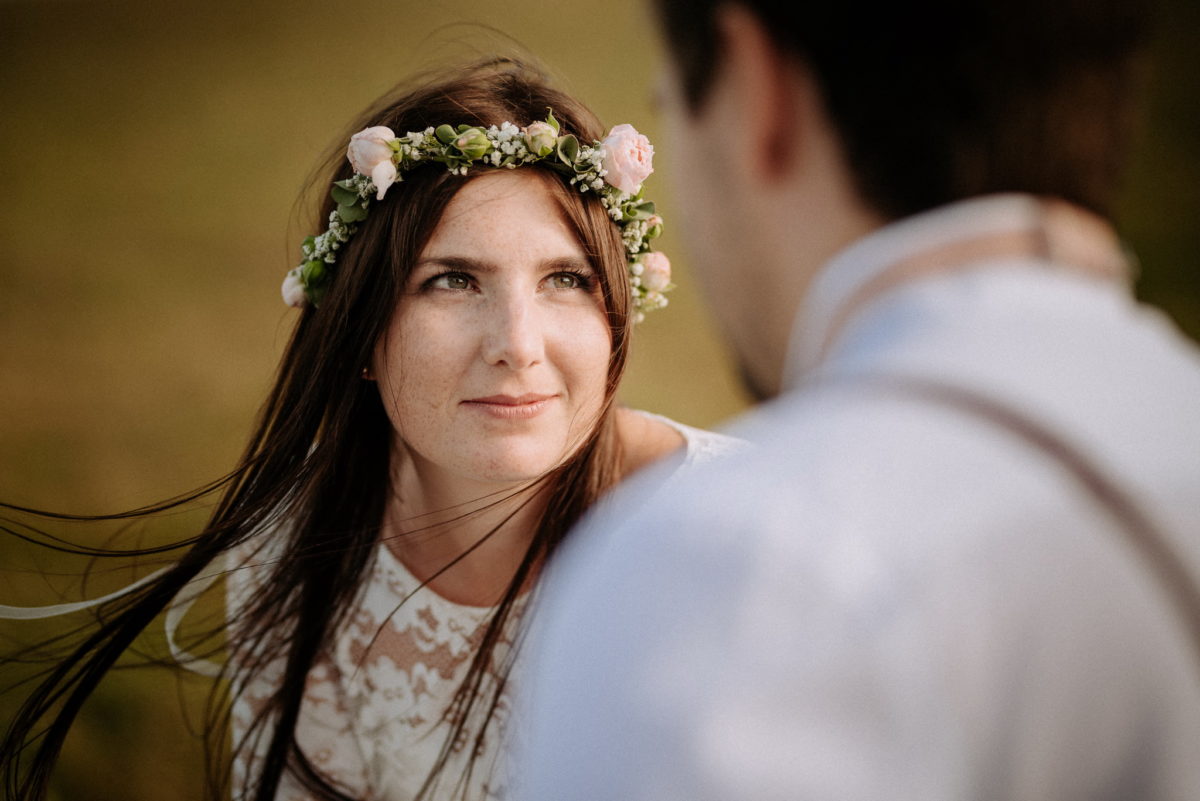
(642, 211)
(343, 196)
(349, 214)
(568, 148)
(347, 183)
(551, 121)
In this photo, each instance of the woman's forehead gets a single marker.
(511, 211)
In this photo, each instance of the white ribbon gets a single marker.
(176, 611)
(54, 610)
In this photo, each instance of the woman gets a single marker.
(442, 416)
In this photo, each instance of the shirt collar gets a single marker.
(839, 279)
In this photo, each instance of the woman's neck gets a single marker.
(433, 518)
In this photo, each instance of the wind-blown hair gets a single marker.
(316, 467)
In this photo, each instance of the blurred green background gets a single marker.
(152, 156)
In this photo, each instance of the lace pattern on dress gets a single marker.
(373, 716)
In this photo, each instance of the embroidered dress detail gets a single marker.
(373, 718)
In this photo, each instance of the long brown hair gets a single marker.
(316, 468)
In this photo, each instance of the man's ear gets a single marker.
(765, 93)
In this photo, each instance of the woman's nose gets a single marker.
(514, 336)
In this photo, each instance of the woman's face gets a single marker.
(494, 365)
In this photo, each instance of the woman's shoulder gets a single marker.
(651, 438)
(702, 445)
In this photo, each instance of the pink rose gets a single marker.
(370, 155)
(540, 138)
(654, 226)
(656, 271)
(628, 158)
(293, 291)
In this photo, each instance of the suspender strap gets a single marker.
(1142, 535)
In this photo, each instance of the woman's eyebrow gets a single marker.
(470, 264)
(567, 263)
(459, 263)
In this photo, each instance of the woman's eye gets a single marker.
(569, 281)
(455, 281)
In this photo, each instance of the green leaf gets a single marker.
(639, 211)
(553, 123)
(346, 184)
(349, 214)
(568, 148)
(308, 243)
(445, 134)
(312, 273)
(343, 196)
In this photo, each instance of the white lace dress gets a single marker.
(373, 715)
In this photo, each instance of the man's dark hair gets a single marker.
(938, 100)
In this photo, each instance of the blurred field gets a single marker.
(152, 156)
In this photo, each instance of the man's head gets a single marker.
(918, 104)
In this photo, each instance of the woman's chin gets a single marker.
(511, 474)
(513, 466)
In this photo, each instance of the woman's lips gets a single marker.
(511, 407)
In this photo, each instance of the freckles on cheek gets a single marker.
(431, 364)
(585, 360)
(426, 381)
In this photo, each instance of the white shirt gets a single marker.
(890, 599)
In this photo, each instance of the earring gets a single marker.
(366, 374)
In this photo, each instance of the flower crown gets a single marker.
(613, 168)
